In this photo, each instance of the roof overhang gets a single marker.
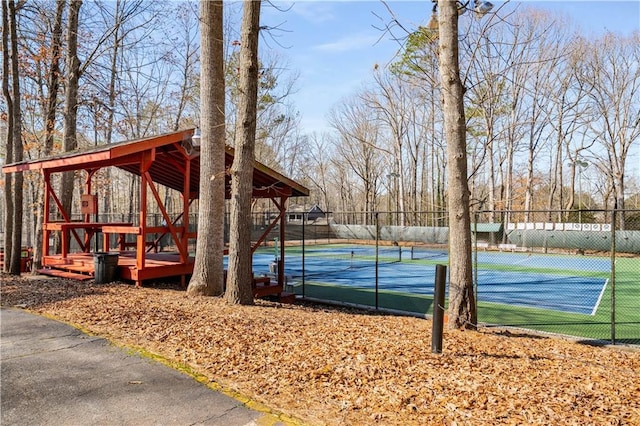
(166, 154)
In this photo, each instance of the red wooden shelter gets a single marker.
(170, 160)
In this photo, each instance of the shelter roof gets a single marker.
(168, 152)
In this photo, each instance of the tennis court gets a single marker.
(552, 282)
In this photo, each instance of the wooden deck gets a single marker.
(81, 266)
(157, 265)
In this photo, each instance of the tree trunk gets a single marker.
(71, 102)
(208, 274)
(16, 136)
(462, 305)
(240, 278)
(53, 84)
(8, 200)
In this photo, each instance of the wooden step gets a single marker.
(81, 262)
(261, 280)
(261, 290)
(64, 274)
(78, 268)
(287, 298)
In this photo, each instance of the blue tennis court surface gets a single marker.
(561, 283)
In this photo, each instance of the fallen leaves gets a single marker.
(341, 366)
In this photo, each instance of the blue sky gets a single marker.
(335, 44)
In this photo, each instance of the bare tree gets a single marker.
(240, 275)
(541, 55)
(16, 187)
(71, 100)
(568, 116)
(8, 20)
(186, 50)
(317, 168)
(390, 105)
(207, 278)
(612, 75)
(278, 140)
(51, 109)
(358, 147)
(462, 304)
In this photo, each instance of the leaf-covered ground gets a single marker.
(338, 366)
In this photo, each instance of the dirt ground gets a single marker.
(328, 366)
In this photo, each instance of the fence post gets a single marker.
(377, 242)
(475, 258)
(438, 309)
(613, 276)
(304, 219)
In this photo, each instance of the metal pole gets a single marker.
(613, 276)
(581, 166)
(475, 259)
(438, 309)
(283, 238)
(377, 242)
(304, 219)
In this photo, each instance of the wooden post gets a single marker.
(283, 224)
(438, 309)
(145, 163)
(45, 220)
(184, 240)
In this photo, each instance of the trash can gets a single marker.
(105, 265)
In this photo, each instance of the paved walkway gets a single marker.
(53, 374)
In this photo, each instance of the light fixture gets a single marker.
(482, 8)
(197, 136)
(191, 146)
(433, 21)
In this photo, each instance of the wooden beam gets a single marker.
(87, 189)
(186, 202)
(46, 175)
(165, 215)
(150, 143)
(269, 228)
(66, 163)
(145, 164)
(283, 224)
(175, 162)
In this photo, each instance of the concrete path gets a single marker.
(53, 374)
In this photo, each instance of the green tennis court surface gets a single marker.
(517, 279)
(569, 294)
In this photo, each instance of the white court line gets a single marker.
(595, 308)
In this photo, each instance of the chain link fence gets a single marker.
(574, 273)
(583, 266)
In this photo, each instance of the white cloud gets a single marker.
(349, 43)
(316, 12)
